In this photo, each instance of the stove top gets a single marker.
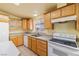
(64, 38)
(65, 42)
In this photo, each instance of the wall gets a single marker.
(69, 27)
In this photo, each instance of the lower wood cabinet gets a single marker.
(42, 48)
(29, 42)
(20, 40)
(14, 40)
(38, 46)
(17, 40)
(34, 45)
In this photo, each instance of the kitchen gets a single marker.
(52, 30)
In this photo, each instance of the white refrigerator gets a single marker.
(4, 31)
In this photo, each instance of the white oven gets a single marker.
(63, 45)
(55, 49)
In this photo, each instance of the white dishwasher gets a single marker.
(26, 40)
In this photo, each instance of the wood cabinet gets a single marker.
(42, 48)
(30, 24)
(64, 11)
(20, 40)
(68, 10)
(17, 40)
(34, 45)
(38, 46)
(25, 24)
(56, 14)
(77, 13)
(47, 21)
(29, 42)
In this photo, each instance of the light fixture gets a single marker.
(17, 4)
(35, 13)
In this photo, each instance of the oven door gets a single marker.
(54, 51)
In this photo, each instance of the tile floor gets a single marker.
(25, 51)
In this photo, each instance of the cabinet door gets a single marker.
(15, 40)
(77, 13)
(29, 42)
(30, 24)
(25, 24)
(20, 40)
(34, 44)
(69, 10)
(47, 21)
(56, 14)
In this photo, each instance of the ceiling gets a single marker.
(27, 9)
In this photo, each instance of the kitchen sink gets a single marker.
(36, 35)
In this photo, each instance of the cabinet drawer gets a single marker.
(69, 10)
(41, 53)
(41, 41)
(41, 48)
(41, 45)
(56, 14)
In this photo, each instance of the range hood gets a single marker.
(64, 19)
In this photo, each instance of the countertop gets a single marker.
(7, 48)
(45, 38)
(42, 37)
(14, 33)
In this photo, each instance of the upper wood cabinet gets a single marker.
(68, 10)
(47, 21)
(77, 13)
(30, 24)
(25, 24)
(56, 14)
